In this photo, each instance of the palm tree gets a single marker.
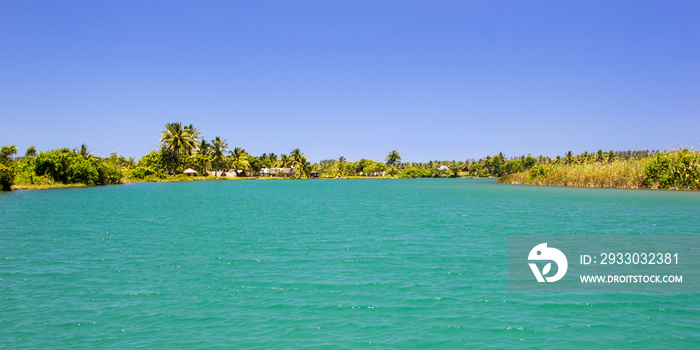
(340, 166)
(195, 134)
(239, 158)
(393, 158)
(178, 140)
(569, 158)
(301, 165)
(600, 156)
(84, 151)
(285, 161)
(273, 160)
(204, 147)
(218, 147)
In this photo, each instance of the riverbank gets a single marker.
(48, 185)
(673, 170)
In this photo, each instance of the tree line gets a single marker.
(183, 147)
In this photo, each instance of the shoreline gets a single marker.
(505, 180)
(25, 187)
(600, 187)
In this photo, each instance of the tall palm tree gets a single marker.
(218, 147)
(301, 165)
(196, 135)
(178, 140)
(393, 158)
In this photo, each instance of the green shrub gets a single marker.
(108, 173)
(676, 169)
(68, 167)
(7, 176)
(54, 164)
(409, 173)
(538, 171)
(142, 171)
(81, 170)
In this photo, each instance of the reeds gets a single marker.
(679, 169)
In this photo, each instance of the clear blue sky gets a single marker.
(431, 79)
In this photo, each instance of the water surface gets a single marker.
(350, 263)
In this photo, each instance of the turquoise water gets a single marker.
(330, 263)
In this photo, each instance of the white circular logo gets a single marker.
(542, 253)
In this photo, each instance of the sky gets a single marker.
(447, 80)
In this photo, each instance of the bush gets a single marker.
(677, 169)
(7, 176)
(538, 171)
(108, 173)
(409, 173)
(54, 164)
(81, 170)
(68, 167)
(142, 171)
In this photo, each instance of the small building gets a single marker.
(443, 168)
(282, 172)
(190, 171)
(313, 174)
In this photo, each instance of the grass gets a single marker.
(44, 186)
(624, 174)
(677, 170)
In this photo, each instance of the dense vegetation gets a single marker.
(183, 147)
(60, 167)
(678, 169)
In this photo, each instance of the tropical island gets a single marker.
(185, 155)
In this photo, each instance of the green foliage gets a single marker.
(679, 169)
(529, 162)
(497, 166)
(218, 149)
(254, 164)
(411, 173)
(513, 166)
(198, 162)
(475, 169)
(393, 158)
(31, 152)
(8, 172)
(68, 167)
(6, 153)
(674, 170)
(159, 160)
(8, 168)
(538, 171)
(302, 167)
(142, 172)
(178, 140)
